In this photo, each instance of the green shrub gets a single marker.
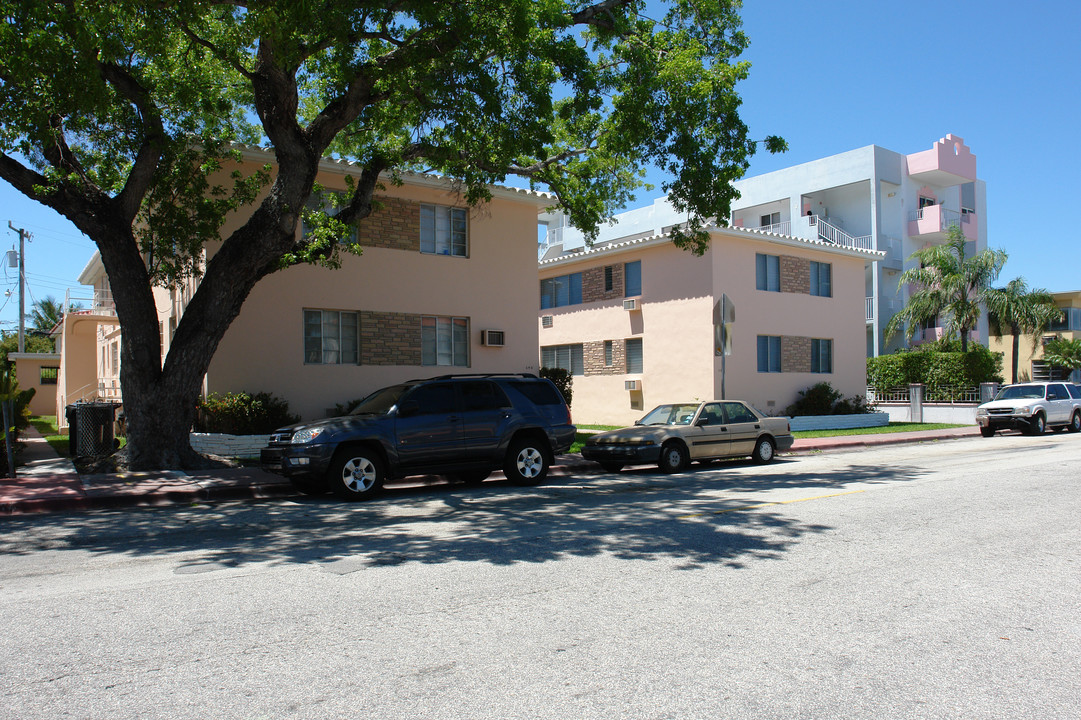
(242, 414)
(823, 399)
(562, 380)
(936, 365)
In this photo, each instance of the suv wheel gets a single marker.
(356, 474)
(1037, 426)
(1075, 422)
(987, 431)
(526, 463)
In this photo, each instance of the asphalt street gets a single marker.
(922, 581)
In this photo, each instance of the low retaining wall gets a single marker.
(840, 422)
(932, 413)
(231, 446)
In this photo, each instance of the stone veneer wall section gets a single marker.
(388, 338)
(795, 275)
(593, 283)
(795, 354)
(396, 225)
(593, 358)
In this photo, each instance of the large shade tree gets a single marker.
(1021, 311)
(949, 283)
(123, 115)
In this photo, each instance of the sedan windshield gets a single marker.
(670, 415)
(1021, 392)
(381, 401)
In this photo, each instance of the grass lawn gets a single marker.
(893, 427)
(46, 425)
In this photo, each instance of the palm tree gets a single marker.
(1023, 312)
(46, 313)
(1063, 353)
(947, 282)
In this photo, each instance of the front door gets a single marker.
(431, 432)
(709, 437)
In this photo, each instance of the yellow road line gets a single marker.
(768, 504)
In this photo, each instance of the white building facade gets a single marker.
(866, 199)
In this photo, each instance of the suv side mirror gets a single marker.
(408, 408)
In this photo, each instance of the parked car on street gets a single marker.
(1031, 408)
(674, 435)
(463, 426)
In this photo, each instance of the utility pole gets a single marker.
(22, 286)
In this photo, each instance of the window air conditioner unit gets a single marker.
(546, 321)
(632, 384)
(630, 304)
(491, 338)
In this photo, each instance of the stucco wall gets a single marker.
(675, 322)
(494, 287)
(28, 372)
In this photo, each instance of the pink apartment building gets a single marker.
(440, 288)
(635, 320)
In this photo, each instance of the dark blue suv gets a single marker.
(463, 426)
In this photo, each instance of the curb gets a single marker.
(564, 466)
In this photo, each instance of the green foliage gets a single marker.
(947, 282)
(937, 366)
(32, 342)
(341, 409)
(823, 399)
(243, 414)
(562, 379)
(1063, 353)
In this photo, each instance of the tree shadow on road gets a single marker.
(706, 516)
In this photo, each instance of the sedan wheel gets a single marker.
(764, 451)
(673, 457)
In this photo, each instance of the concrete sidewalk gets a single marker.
(49, 483)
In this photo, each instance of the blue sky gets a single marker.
(833, 76)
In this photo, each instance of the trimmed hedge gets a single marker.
(935, 368)
(242, 414)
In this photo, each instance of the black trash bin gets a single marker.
(90, 428)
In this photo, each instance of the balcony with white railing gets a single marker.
(933, 222)
(90, 302)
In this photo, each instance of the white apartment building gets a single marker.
(868, 199)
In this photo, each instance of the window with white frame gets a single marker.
(331, 337)
(769, 353)
(767, 272)
(821, 279)
(821, 356)
(443, 230)
(634, 356)
(569, 357)
(632, 278)
(444, 341)
(561, 291)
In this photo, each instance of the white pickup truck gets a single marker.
(1032, 408)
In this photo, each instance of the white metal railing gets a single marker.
(99, 302)
(942, 395)
(869, 308)
(781, 228)
(830, 233)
